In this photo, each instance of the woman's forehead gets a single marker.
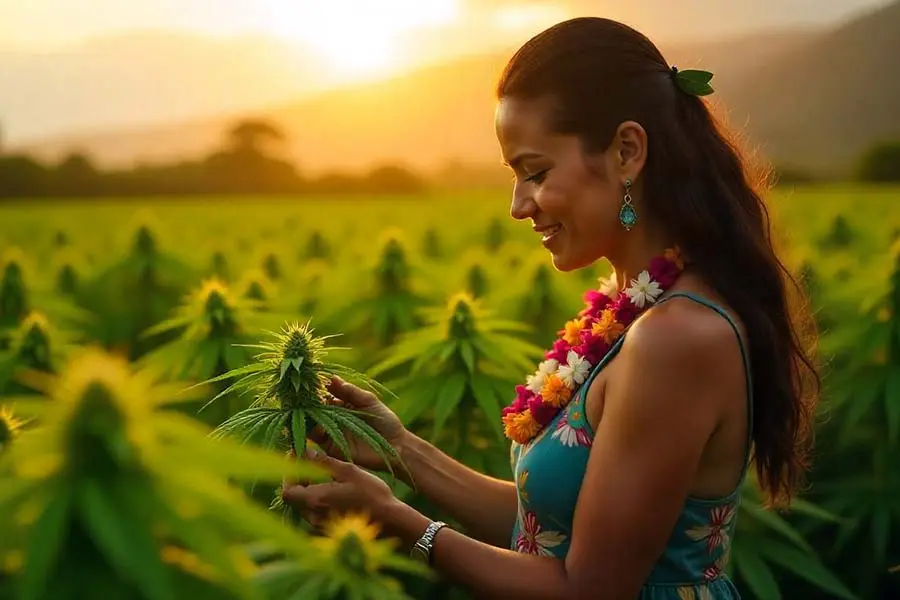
(520, 125)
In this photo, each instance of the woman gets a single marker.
(631, 441)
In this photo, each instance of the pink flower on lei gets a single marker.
(543, 413)
(559, 352)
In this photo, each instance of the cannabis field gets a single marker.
(119, 480)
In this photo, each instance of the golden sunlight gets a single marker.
(529, 17)
(357, 36)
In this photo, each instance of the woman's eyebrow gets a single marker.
(516, 161)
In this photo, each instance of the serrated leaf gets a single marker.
(775, 523)
(806, 565)
(449, 395)
(488, 402)
(757, 574)
(468, 355)
(298, 431)
(45, 539)
(297, 361)
(124, 538)
(285, 365)
(323, 417)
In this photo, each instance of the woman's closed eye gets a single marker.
(538, 177)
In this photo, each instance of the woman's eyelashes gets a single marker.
(538, 177)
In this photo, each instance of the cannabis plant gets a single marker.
(10, 425)
(213, 327)
(111, 495)
(36, 345)
(766, 546)
(858, 476)
(135, 293)
(545, 301)
(348, 562)
(495, 235)
(457, 372)
(389, 303)
(288, 382)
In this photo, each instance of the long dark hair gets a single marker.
(597, 74)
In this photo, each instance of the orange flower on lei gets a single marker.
(555, 391)
(608, 327)
(520, 426)
(573, 330)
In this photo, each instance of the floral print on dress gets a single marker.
(716, 531)
(533, 539)
(715, 534)
(690, 592)
(523, 481)
(571, 435)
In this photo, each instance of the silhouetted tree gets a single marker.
(76, 176)
(251, 135)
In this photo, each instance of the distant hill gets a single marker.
(813, 99)
(822, 103)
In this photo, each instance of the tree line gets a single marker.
(248, 162)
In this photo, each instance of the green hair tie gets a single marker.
(693, 81)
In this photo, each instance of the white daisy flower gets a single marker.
(575, 371)
(643, 290)
(609, 286)
(536, 381)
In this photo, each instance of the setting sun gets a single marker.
(359, 38)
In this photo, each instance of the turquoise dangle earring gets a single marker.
(627, 214)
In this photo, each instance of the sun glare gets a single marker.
(357, 36)
(526, 17)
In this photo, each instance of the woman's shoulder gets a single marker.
(684, 345)
(692, 325)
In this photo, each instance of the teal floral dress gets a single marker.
(548, 472)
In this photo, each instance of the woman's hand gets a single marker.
(378, 415)
(352, 489)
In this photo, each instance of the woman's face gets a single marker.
(570, 198)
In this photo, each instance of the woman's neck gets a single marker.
(640, 246)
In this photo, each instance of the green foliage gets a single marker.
(387, 302)
(845, 528)
(496, 235)
(766, 544)
(462, 362)
(15, 301)
(112, 494)
(288, 381)
(880, 163)
(90, 499)
(317, 246)
(36, 345)
(151, 282)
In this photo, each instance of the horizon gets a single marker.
(148, 72)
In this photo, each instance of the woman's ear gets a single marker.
(630, 144)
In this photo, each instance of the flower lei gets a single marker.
(583, 343)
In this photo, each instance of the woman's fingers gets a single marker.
(351, 395)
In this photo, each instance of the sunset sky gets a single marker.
(127, 63)
(374, 35)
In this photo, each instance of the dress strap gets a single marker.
(748, 379)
